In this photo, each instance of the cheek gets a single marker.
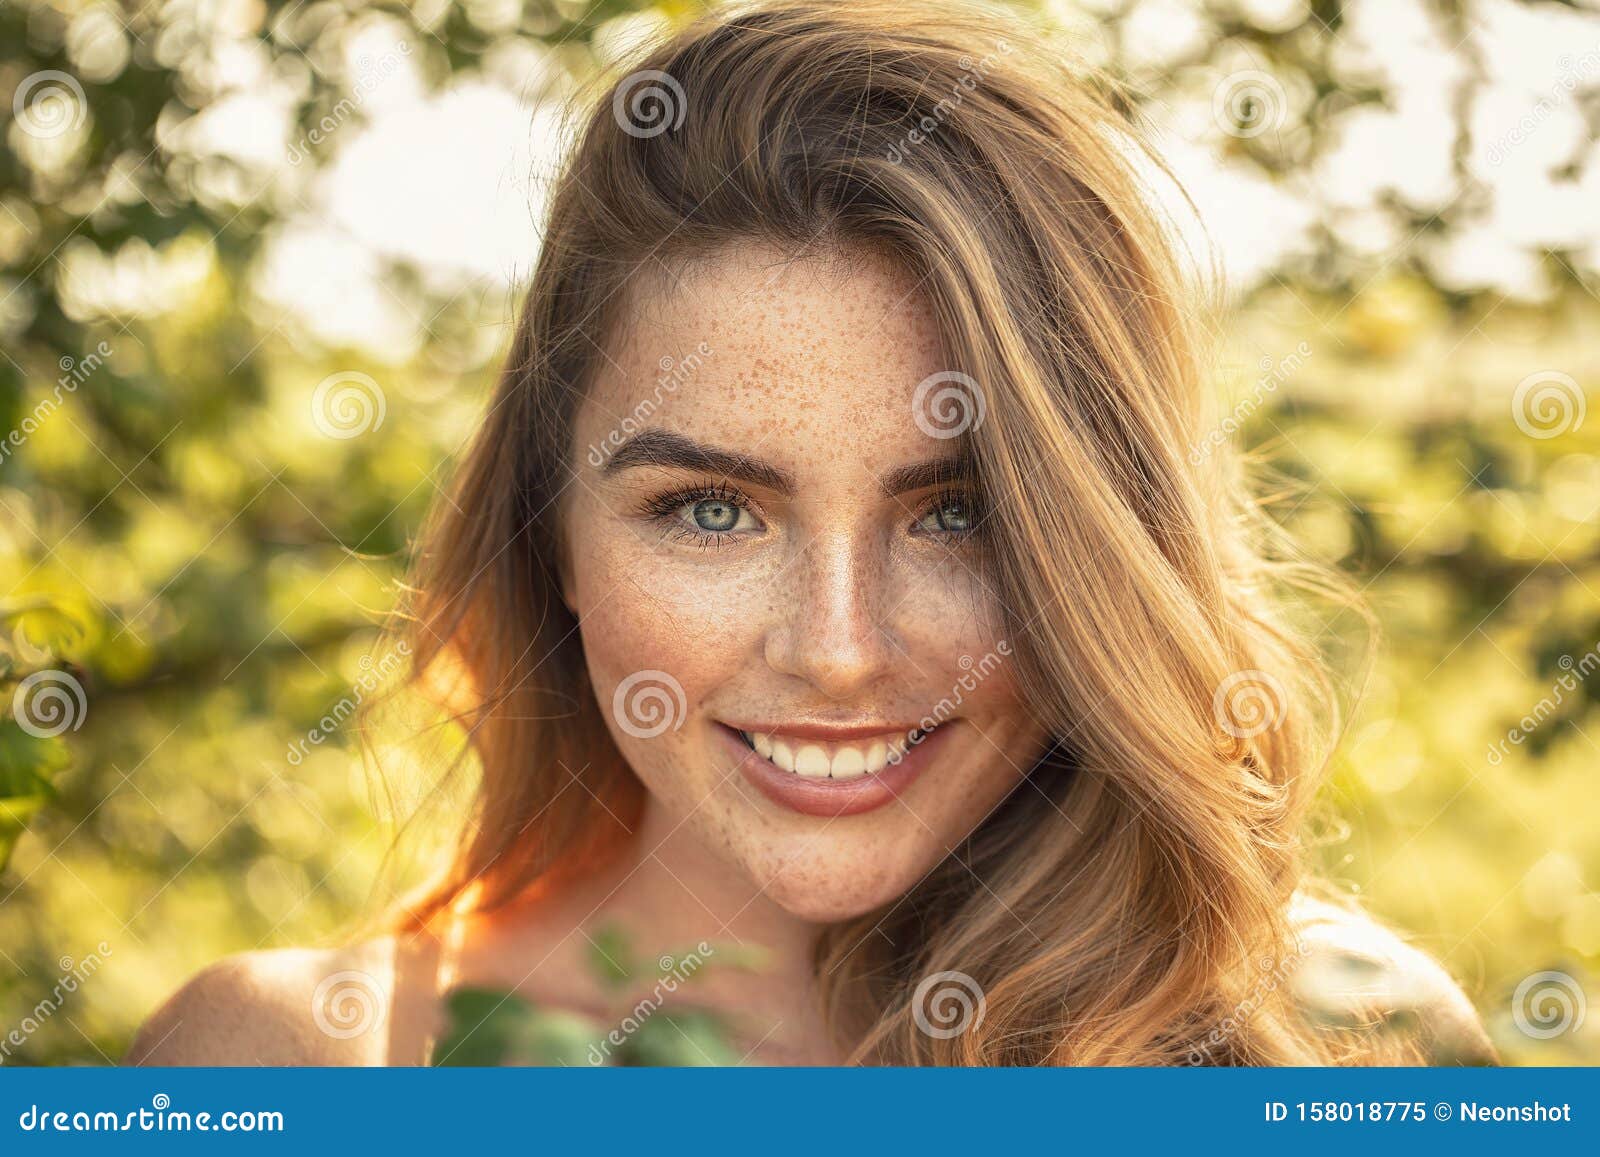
(652, 618)
(955, 631)
(958, 643)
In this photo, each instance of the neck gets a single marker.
(672, 892)
(666, 894)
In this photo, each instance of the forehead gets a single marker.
(757, 346)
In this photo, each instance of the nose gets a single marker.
(830, 630)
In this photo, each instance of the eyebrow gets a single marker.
(922, 475)
(665, 448)
(671, 450)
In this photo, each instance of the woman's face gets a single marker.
(780, 596)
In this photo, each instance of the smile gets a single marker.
(832, 771)
(814, 759)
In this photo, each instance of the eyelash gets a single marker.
(952, 497)
(664, 510)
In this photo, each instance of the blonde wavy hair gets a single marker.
(1126, 906)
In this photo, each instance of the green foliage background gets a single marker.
(178, 535)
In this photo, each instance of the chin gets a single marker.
(814, 909)
(827, 890)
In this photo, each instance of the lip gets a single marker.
(828, 732)
(830, 797)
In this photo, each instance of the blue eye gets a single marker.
(715, 515)
(951, 514)
(703, 516)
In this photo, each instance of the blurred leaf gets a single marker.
(27, 764)
(489, 1028)
(692, 1038)
(611, 956)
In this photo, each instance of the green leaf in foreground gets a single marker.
(611, 956)
(26, 765)
(692, 1038)
(488, 1027)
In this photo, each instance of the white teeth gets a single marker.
(812, 762)
(849, 763)
(846, 761)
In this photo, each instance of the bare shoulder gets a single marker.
(1357, 975)
(290, 1006)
